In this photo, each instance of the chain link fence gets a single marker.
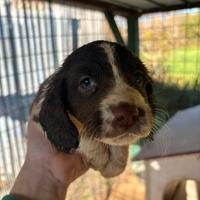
(35, 37)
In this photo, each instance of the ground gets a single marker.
(92, 186)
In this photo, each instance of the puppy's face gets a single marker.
(106, 89)
(109, 92)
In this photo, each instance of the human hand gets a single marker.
(46, 173)
(65, 167)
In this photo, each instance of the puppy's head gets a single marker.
(107, 91)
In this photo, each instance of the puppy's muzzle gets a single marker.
(125, 116)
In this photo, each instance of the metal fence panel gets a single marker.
(35, 37)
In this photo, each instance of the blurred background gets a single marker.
(36, 36)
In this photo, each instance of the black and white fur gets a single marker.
(87, 103)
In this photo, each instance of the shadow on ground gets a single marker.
(172, 98)
(15, 106)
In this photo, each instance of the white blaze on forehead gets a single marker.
(122, 92)
(109, 50)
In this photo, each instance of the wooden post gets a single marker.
(111, 21)
(133, 35)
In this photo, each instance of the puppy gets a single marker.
(98, 102)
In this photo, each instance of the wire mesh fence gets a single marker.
(36, 36)
(171, 41)
(170, 47)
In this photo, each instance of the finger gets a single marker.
(68, 167)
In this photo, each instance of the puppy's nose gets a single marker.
(125, 115)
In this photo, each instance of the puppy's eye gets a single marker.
(138, 79)
(87, 84)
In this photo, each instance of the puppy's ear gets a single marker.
(53, 115)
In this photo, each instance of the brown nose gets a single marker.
(125, 115)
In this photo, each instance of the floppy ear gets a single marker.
(53, 115)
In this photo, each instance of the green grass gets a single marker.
(184, 60)
(180, 87)
(183, 64)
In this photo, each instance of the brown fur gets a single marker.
(62, 119)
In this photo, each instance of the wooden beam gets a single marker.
(133, 35)
(122, 10)
(101, 6)
(111, 21)
(156, 3)
(171, 8)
